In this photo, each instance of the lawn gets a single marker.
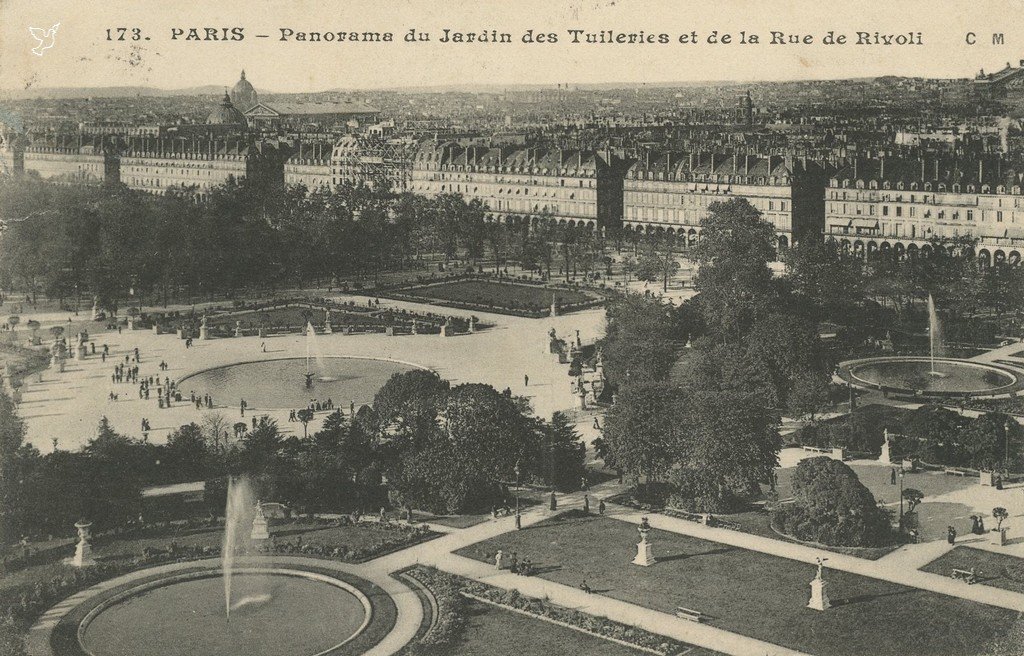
(494, 631)
(495, 294)
(997, 570)
(751, 593)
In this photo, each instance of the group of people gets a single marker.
(204, 401)
(513, 564)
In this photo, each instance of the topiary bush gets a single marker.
(832, 507)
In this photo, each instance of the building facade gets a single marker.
(310, 165)
(571, 187)
(157, 165)
(671, 192)
(903, 205)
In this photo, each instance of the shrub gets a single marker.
(831, 506)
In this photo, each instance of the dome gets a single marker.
(226, 114)
(243, 94)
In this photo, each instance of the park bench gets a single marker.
(968, 575)
(689, 614)
(955, 471)
(816, 449)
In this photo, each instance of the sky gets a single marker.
(81, 55)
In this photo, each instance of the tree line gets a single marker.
(423, 444)
(121, 245)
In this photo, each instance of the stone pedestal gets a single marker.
(83, 550)
(131, 323)
(819, 596)
(259, 528)
(328, 329)
(885, 458)
(238, 329)
(987, 478)
(472, 324)
(157, 330)
(998, 536)
(644, 553)
(389, 331)
(80, 352)
(203, 334)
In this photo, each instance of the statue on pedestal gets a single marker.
(819, 597)
(259, 524)
(83, 550)
(328, 329)
(885, 457)
(203, 334)
(238, 328)
(644, 552)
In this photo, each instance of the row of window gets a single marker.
(928, 186)
(941, 214)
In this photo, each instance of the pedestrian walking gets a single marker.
(950, 534)
(526, 380)
(600, 507)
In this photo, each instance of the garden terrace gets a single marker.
(294, 316)
(755, 521)
(751, 593)
(490, 295)
(504, 622)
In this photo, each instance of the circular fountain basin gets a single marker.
(948, 377)
(274, 612)
(282, 383)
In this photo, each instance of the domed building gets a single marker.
(227, 115)
(243, 95)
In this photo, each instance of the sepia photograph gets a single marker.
(491, 328)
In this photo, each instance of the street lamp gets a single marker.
(901, 498)
(1006, 436)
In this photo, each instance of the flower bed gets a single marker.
(501, 296)
(446, 628)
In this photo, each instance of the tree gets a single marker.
(648, 268)
(187, 453)
(562, 462)
(409, 398)
(733, 279)
(644, 428)
(639, 343)
(13, 322)
(305, 415)
(913, 497)
(730, 444)
(1000, 514)
(831, 506)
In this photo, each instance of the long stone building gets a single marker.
(896, 204)
(572, 187)
(671, 192)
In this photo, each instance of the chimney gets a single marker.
(881, 167)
